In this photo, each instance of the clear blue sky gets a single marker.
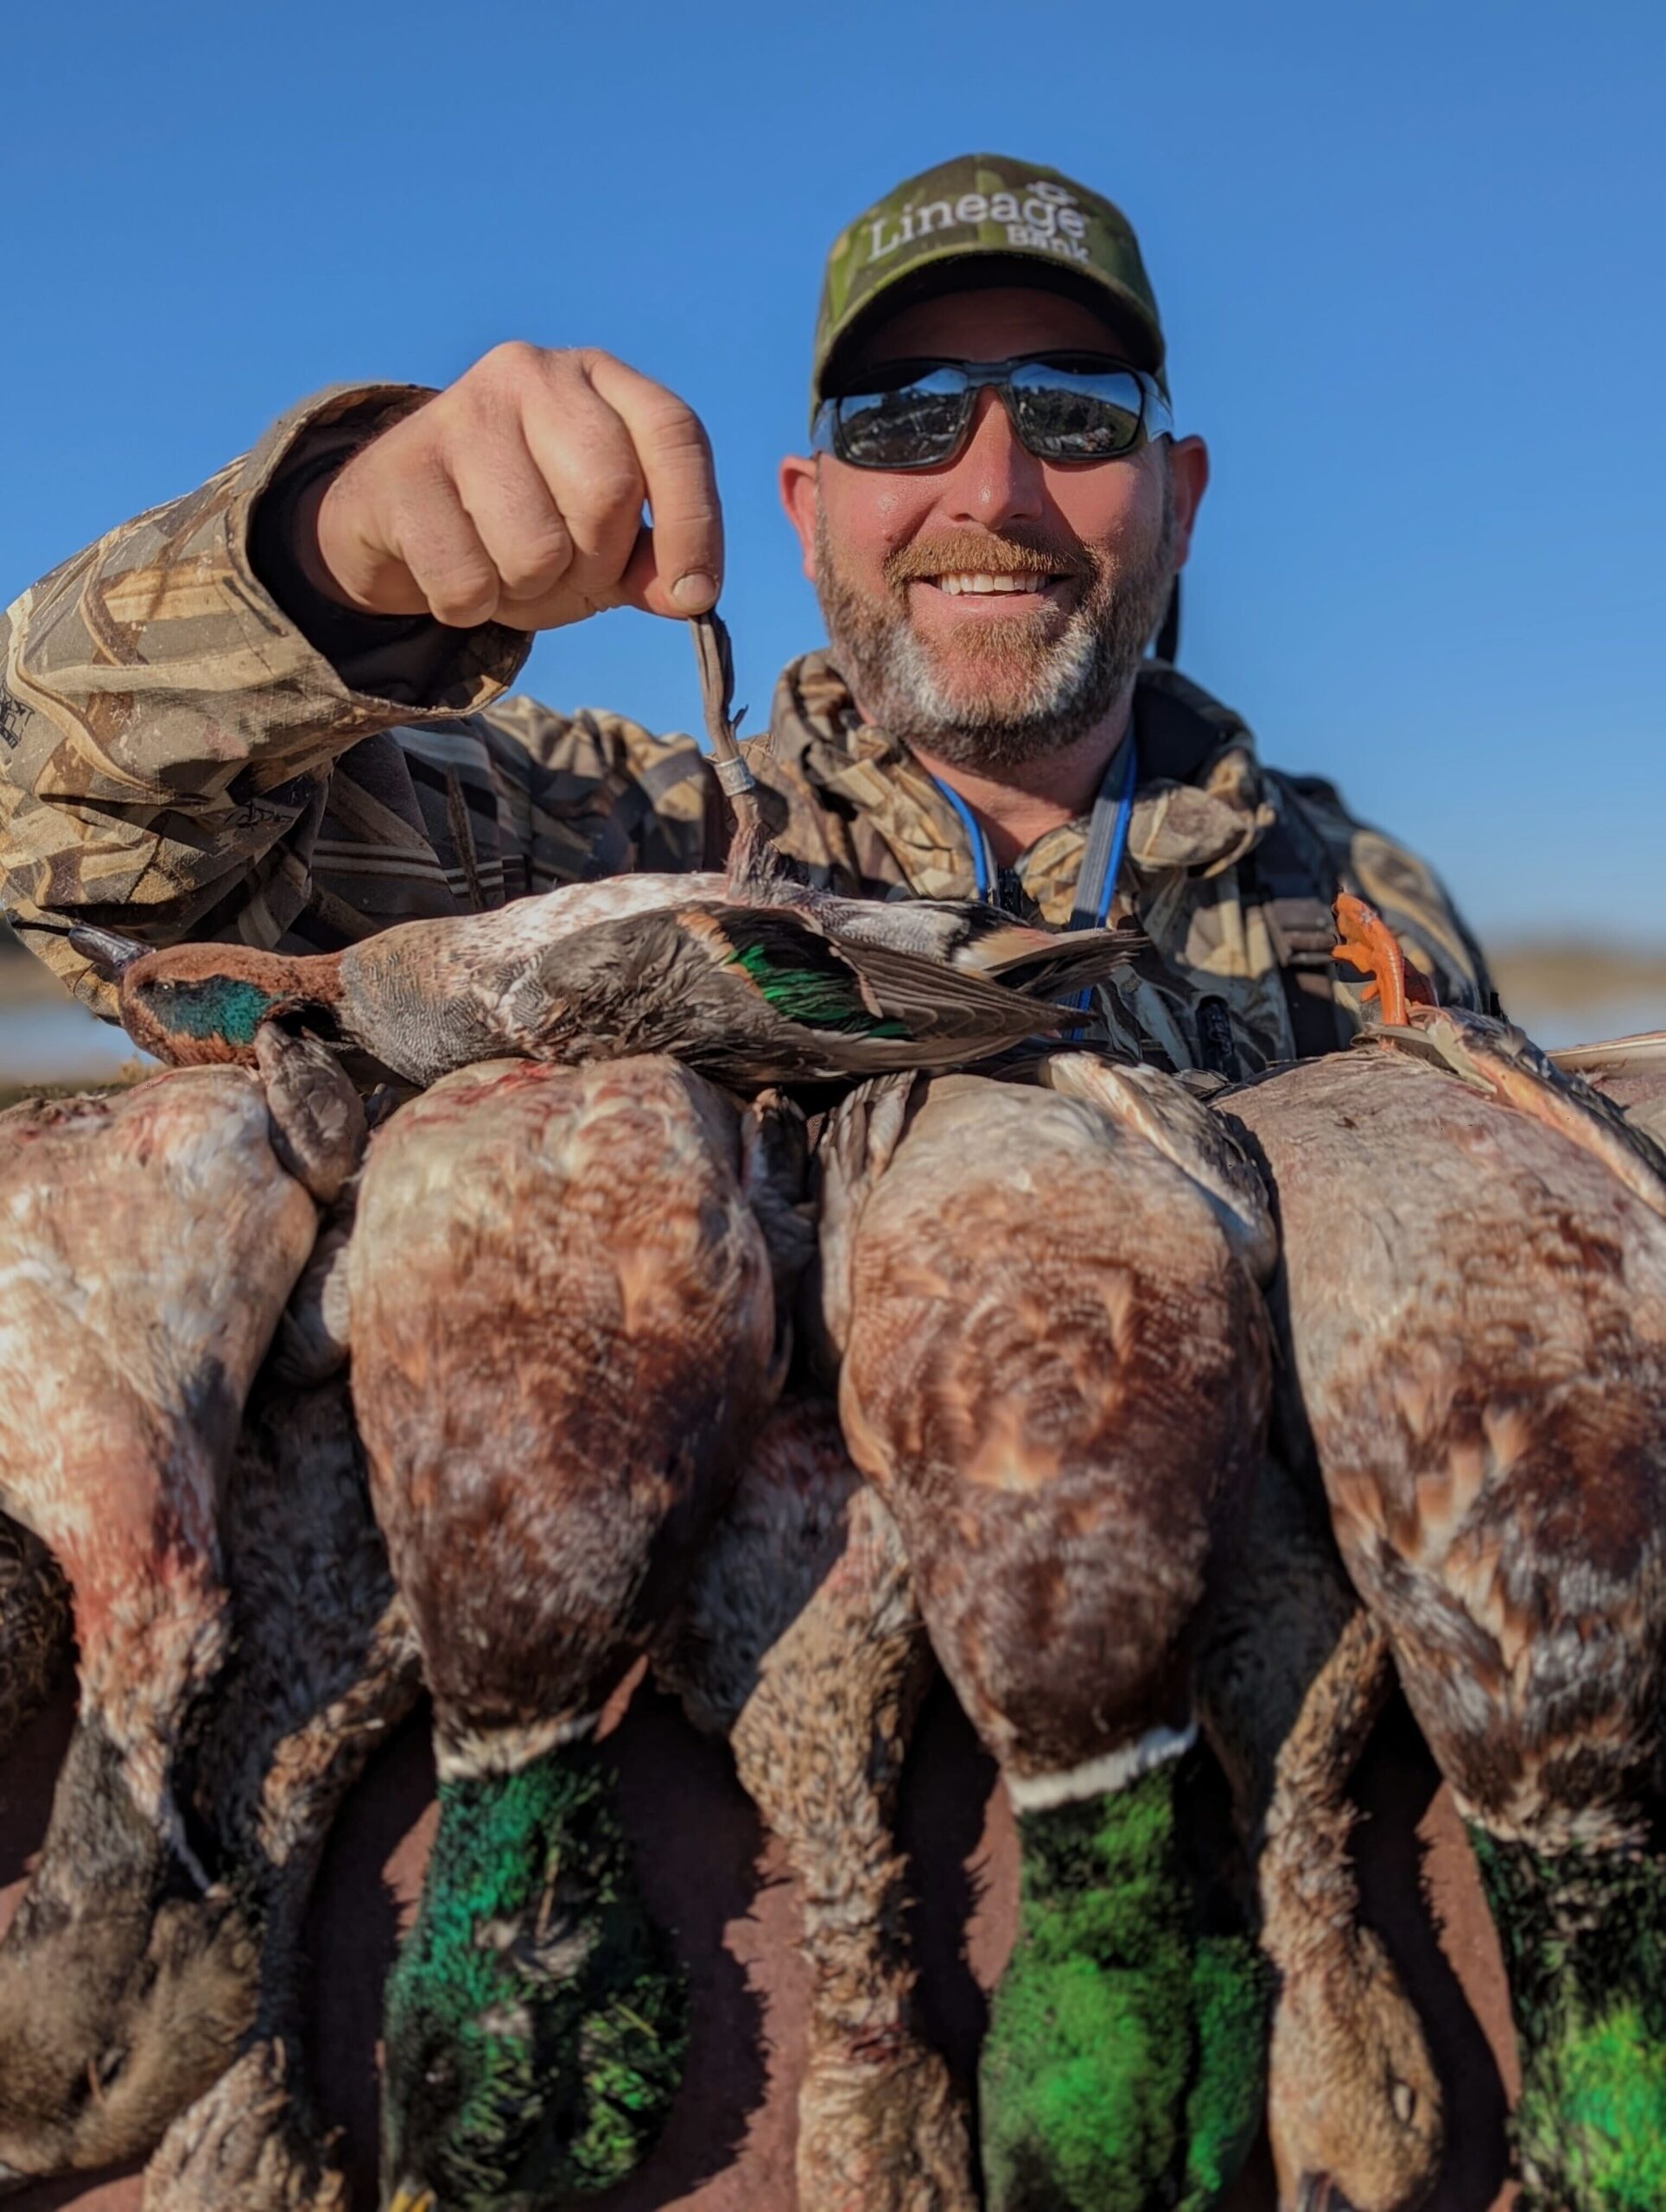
(1410, 258)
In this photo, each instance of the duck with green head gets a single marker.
(563, 1329)
(1475, 1254)
(1055, 1371)
(749, 993)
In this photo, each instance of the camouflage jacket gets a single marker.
(178, 758)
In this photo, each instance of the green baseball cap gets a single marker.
(986, 218)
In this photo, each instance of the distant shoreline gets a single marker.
(1555, 974)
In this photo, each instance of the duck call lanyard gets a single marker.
(1102, 856)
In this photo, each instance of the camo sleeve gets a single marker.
(1404, 890)
(167, 731)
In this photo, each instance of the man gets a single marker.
(273, 710)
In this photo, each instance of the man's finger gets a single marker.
(681, 487)
(514, 512)
(585, 455)
(430, 531)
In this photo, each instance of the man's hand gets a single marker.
(516, 495)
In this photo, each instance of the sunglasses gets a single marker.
(1062, 407)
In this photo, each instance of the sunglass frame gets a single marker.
(1155, 418)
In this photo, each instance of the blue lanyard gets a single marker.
(1102, 856)
(983, 860)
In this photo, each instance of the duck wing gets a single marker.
(758, 995)
(973, 936)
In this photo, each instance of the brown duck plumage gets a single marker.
(147, 1241)
(324, 1665)
(1055, 1372)
(1475, 1282)
(800, 1640)
(1478, 1314)
(1292, 1674)
(563, 1335)
(35, 1628)
(1057, 1377)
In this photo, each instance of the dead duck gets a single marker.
(749, 995)
(324, 1666)
(1475, 1269)
(753, 976)
(1055, 1371)
(799, 1640)
(35, 1632)
(147, 1241)
(564, 1331)
(1292, 1673)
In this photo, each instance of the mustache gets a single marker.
(955, 552)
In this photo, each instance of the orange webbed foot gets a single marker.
(1369, 944)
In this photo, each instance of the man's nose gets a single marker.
(995, 480)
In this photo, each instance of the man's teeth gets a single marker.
(972, 580)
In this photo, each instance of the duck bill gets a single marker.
(104, 950)
(411, 2196)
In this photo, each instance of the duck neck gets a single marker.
(1584, 1940)
(100, 1849)
(1125, 2062)
(214, 1016)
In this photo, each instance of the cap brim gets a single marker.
(979, 269)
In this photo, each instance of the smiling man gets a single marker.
(313, 742)
(274, 711)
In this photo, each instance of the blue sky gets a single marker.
(1409, 258)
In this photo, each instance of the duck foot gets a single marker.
(1116, 2015)
(243, 2147)
(883, 2131)
(318, 1120)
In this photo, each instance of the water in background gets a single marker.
(47, 1040)
(51, 1041)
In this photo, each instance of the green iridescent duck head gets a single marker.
(194, 1005)
(1125, 2065)
(1584, 1939)
(535, 2026)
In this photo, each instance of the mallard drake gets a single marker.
(1475, 1263)
(800, 1641)
(1055, 1371)
(564, 1333)
(147, 1241)
(1292, 1674)
(324, 1665)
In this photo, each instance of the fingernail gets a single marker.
(696, 593)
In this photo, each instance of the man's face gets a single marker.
(915, 569)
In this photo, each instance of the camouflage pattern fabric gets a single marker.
(980, 205)
(177, 761)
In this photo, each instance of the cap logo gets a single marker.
(1045, 218)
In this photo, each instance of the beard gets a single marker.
(1019, 688)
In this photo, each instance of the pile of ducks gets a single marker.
(1176, 1443)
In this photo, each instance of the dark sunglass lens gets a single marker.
(1064, 415)
(910, 427)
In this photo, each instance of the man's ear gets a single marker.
(1188, 477)
(800, 490)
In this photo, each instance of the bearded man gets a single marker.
(274, 711)
(314, 742)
